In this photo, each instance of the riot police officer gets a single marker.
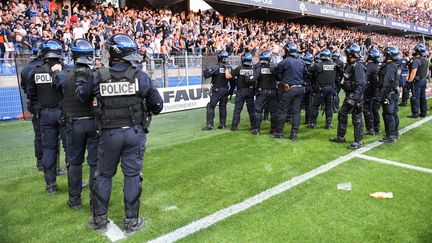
(308, 93)
(290, 90)
(243, 77)
(33, 108)
(417, 76)
(339, 75)
(388, 95)
(40, 90)
(371, 106)
(125, 97)
(324, 74)
(389, 76)
(266, 93)
(221, 76)
(404, 86)
(81, 132)
(353, 84)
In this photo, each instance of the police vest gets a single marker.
(373, 79)
(394, 84)
(218, 79)
(422, 70)
(119, 102)
(47, 95)
(268, 79)
(245, 78)
(71, 106)
(307, 75)
(350, 83)
(328, 74)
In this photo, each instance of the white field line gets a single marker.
(220, 215)
(389, 162)
(114, 233)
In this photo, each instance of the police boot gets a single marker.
(132, 225)
(99, 223)
(208, 128)
(39, 165)
(51, 188)
(60, 171)
(255, 131)
(311, 125)
(356, 145)
(328, 125)
(234, 129)
(423, 114)
(294, 136)
(222, 126)
(369, 132)
(413, 116)
(337, 139)
(74, 202)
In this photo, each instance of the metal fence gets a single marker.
(179, 71)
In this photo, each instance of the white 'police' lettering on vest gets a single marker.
(117, 89)
(43, 78)
(246, 72)
(265, 71)
(328, 67)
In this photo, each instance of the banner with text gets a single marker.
(184, 98)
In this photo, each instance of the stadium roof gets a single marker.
(314, 14)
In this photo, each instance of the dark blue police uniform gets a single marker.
(81, 132)
(244, 80)
(389, 76)
(33, 109)
(48, 99)
(404, 63)
(266, 96)
(219, 94)
(418, 99)
(125, 96)
(290, 91)
(325, 75)
(371, 105)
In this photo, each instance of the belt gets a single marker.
(295, 85)
(81, 118)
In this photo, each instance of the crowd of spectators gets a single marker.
(164, 34)
(410, 11)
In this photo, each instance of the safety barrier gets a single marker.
(180, 76)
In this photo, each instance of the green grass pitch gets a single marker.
(189, 174)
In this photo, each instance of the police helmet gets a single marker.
(325, 54)
(82, 51)
(336, 55)
(291, 49)
(374, 55)
(246, 59)
(353, 51)
(392, 53)
(51, 49)
(265, 56)
(317, 57)
(308, 58)
(121, 46)
(420, 49)
(223, 56)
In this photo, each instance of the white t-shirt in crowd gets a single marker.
(78, 32)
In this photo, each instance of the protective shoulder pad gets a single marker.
(130, 73)
(105, 74)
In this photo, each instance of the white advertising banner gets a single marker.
(184, 97)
